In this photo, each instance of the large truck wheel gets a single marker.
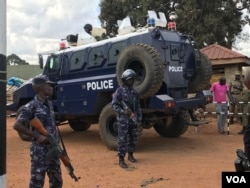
(108, 127)
(201, 81)
(148, 66)
(24, 137)
(78, 125)
(173, 126)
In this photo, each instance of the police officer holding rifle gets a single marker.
(127, 106)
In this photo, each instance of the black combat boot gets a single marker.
(131, 157)
(122, 162)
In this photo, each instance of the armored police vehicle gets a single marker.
(172, 77)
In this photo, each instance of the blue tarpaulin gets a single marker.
(14, 81)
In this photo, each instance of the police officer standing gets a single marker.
(245, 98)
(41, 108)
(127, 128)
(236, 88)
(246, 137)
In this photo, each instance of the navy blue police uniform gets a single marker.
(45, 113)
(42, 109)
(127, 128)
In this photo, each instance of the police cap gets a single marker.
(42, 80)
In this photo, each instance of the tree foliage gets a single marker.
(213, 21)
(210, 21)
(111, 11)
(13, 59)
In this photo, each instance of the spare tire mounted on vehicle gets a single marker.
(148, 66)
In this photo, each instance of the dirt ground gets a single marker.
(194, 160)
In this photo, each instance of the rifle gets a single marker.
(127, 109)
(242, 163)
(57, 150)
(239, 87)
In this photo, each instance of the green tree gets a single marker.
(13, 59)
(244, 4)
(213, 21)
(111, 11)
(210, 21)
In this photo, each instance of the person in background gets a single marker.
(245, 98)
(85, 36)
(127, 128)
(220, 92)
(236, 88)
(41, 108)
(246, 137)
(88, 28)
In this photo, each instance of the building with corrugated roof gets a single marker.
(226, 62)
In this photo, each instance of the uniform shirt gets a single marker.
(131, 98)
(43, 111)
(219, 92)
(236, 87)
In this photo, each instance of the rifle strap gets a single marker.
(61, 140)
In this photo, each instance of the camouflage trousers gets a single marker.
(39, 168)
(240, 111)
(236, 110)
(127, 137)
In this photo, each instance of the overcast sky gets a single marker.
(37, 26)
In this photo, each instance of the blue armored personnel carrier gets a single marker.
(172, 77)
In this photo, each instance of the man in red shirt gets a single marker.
(220, 92)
